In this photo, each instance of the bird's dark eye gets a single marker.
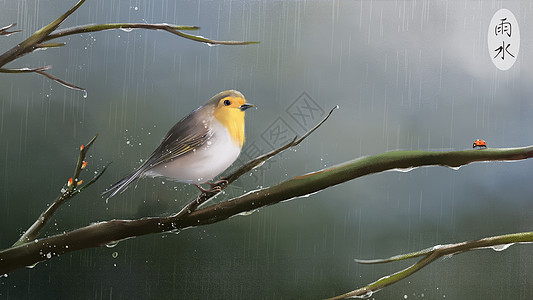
(227, 102)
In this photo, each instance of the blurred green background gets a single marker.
(410, 75)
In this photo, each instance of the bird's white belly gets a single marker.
(202, 164)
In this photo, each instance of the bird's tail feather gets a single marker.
(121, 185)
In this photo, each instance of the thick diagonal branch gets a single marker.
(108, 232)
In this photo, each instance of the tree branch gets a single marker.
(34, 230)
(24, 70)
(66, 194)
(112, 231)
(3, 30)
(125, 26)
(497, 243)
(174, 29)
(62, 82)
(29, 44)
(35, 41)
(42, 71)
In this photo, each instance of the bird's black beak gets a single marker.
(246, 106)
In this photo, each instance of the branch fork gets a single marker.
(73, 187)
(38, 41)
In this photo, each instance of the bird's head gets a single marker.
(229, 110)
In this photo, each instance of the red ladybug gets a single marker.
(479, 144)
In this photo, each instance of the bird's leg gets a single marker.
(201, 199)
(217, 183)
(213, 188)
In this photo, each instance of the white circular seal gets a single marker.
(503, 39)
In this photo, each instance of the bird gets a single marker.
(199, 147)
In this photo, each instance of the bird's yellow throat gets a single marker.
(232, 118)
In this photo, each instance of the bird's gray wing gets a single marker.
(188, 134)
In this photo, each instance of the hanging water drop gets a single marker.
(501, 247)
(32, 266)
(112, 244)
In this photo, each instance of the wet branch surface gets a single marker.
(37, 41)
(74, 187)
(102, 233)
(429, 255)
(108, 232)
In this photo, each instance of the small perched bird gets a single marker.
(199, 147)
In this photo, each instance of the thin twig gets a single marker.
(174, 29)
(42, 71)
(24, 70)
(3, 30)
(28, 45)
(35, 42)
(95, 178)
(497, 243)
(50, 45)
(202, 39)
(125, 26)
(60, 81)
(46, 33)
(67, 193)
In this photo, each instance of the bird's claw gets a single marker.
(213, 188)
(218, 183)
